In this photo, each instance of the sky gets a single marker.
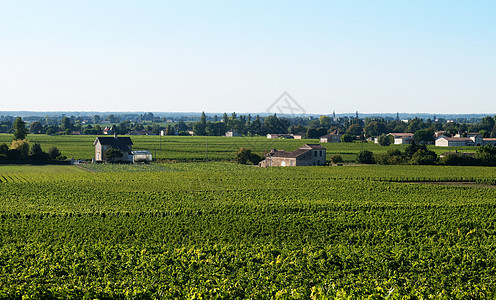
(225, 56)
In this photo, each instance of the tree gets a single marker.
(36, 127)
(423, 157)
(354, 129)
(384, 139)
(20, 130)
(4, 148)
(365, 157)
(487, 123)
(336, 159)
(424, 136)
(245, 156)
(200, 128)
(312, 133)
(325, 121)
(493, 132)
(37, 153)
(22, 146)
(346, 138)
(113, 154)
(375, 128)
(53, 153)
(66, 123)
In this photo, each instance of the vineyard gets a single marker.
(221, 230)
(197, 148)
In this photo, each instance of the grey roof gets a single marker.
(114, 141)
(300, 151)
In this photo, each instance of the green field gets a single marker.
(196, 148)
(221, 230)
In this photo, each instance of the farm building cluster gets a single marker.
(124, 145)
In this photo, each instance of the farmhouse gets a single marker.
(232, 133)
(124, 144)
(333, 137)
(306, 155)
(402, 138)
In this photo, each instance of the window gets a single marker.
(320, 153)
(315, 153)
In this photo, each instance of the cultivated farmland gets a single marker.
(220, 230)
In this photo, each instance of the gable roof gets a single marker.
(401, 135)
(114, 141)
(313, 146)
(334, 133)
(457, 139)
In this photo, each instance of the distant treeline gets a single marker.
(310, 127)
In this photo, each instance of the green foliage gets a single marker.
(385, 140)
(20, 131)
(423, 157)
(347, 138)
(365, 157)
(336, 159)
(244, 156)
(219, 230)
(424, 136)
(22, 147)
(113, 154)
(53, 153)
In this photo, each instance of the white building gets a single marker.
(232, 133)
(141, 156)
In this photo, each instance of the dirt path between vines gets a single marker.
(454, 183)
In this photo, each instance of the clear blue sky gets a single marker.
(216, 56)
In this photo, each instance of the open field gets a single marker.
(221, 230)
(195, 148)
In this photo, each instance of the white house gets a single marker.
(470, 140)
(232, 133)
(402, 138)
(102, 144)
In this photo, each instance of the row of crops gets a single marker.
(197, 148)
(220, 230)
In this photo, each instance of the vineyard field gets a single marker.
(196, 148)
(227, 231)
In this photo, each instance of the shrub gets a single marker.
(245, 156)
(53, 153)
(346, 138)
(365, 157)
(336, 159)
(384, 140)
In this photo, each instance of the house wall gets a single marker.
(442, 143)
(332, 139)
(281, 162)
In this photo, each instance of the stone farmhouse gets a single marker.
(124, 144)
(306, 155)
(333, 137)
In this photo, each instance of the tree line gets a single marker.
(21, 151)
